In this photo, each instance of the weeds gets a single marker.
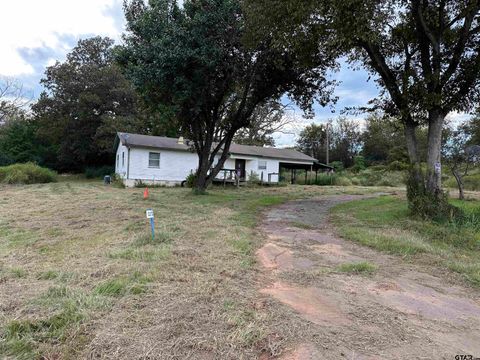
(28, 173)
(21, 337)
(120, 286)
(358, 268)
(385, 224)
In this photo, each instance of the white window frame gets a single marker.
(149, 159)
(262, 167)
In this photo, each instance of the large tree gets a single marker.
(194, 60)
(383, 140)
(344, 141)
(312, 141)
(425, 55)
(461, 151)
(267, 119)
(87, 99)
(19, 141)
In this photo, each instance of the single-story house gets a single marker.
(168, 161)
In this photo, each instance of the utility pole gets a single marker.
(328, 142)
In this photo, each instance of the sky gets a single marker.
(36, 33)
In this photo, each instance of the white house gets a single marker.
(168, 161)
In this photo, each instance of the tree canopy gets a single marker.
(424, 54)
(87, 99)
(194, 61)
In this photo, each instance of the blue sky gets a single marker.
(50, 28)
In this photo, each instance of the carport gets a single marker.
(315, 167)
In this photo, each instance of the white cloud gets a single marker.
(457, 118)
(354, 96)
(30, 24)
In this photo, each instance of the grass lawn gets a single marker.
(77, 265)
(384, 224)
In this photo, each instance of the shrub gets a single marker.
(359, 164)
(394, 178)
(28, 173)
(343, 181)
(369, 177)
(378, 167)
(190, 180)
(398, 166)
(337, 165)
(325, 179)
(253, 178)
(472, 182)
(428, 206)
(117, 181)
(98, 172)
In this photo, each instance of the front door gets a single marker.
(240, 168)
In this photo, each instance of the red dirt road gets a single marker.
(403, 311)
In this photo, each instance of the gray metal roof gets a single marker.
(166, 143)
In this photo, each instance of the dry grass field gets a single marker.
(80, 276)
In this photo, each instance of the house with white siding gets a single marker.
(168, 161)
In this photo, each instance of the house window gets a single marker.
(118, 160)
(154, 160)
(262, 165)
(123, 159)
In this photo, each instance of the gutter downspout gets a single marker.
(128, 162)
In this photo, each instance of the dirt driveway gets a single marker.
(399, 312)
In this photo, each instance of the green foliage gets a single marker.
(21, 338)
(117, 181)
(191, 180)
(19, 142)
(343, 181)
(344, 141)
(377, 168)
(374, 177)
(253, 178)
(337, 165)
(28, 173)
(312, 141)
(98, 172)
(385, 223)
(398, 166)
(267, 119)
(199, 48)
(430, 206)
(120, 286)
(325, 179)
(358, 163)
(383, 140)
(87, 100)
(472, 182)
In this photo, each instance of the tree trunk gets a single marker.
(458, 177)
(412, 149)
(434, 169)
(206, 159)
(202, 174)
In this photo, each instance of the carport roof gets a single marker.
(161, 142)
